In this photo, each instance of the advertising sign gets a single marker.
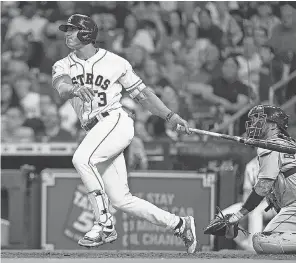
(67, 214)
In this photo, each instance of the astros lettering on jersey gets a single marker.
(100, 74)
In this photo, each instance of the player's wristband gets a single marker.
(239, 215)
(169, 116)
(253, 201)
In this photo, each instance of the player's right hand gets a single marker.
(176, 120)
(86, 94)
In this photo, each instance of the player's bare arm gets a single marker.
(151, 102)
(263, 186)
(67, 90)
(261, 189)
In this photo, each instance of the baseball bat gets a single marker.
(264, 144)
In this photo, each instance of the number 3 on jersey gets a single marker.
(102, 98)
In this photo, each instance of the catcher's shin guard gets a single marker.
(100, 203)
(274, 243)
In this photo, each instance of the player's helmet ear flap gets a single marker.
(278, 116)
(87, 28)
(261, 114)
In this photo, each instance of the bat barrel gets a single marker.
(287, 147)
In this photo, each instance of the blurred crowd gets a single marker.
(205, 60)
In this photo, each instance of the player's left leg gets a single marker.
(279, 236)
(84, 160)
(105, 140)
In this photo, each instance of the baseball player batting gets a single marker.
(276, 182)
(92, 79)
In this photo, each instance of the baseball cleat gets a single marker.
(187, 233)
(98, 236)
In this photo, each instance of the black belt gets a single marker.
(90, 124)
(289, 172)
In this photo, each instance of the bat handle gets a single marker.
(181, 128)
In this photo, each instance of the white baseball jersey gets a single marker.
(105, 73)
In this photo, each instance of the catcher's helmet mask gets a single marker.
(262, 114)
(87, 28)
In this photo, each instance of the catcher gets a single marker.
(276, 182)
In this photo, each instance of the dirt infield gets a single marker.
(131, 260)
(127, 256)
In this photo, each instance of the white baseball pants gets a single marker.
(100, 162)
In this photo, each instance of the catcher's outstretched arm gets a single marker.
(227, 225)
(261, 189)
(268, 172)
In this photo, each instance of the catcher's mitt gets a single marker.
(220, 226)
